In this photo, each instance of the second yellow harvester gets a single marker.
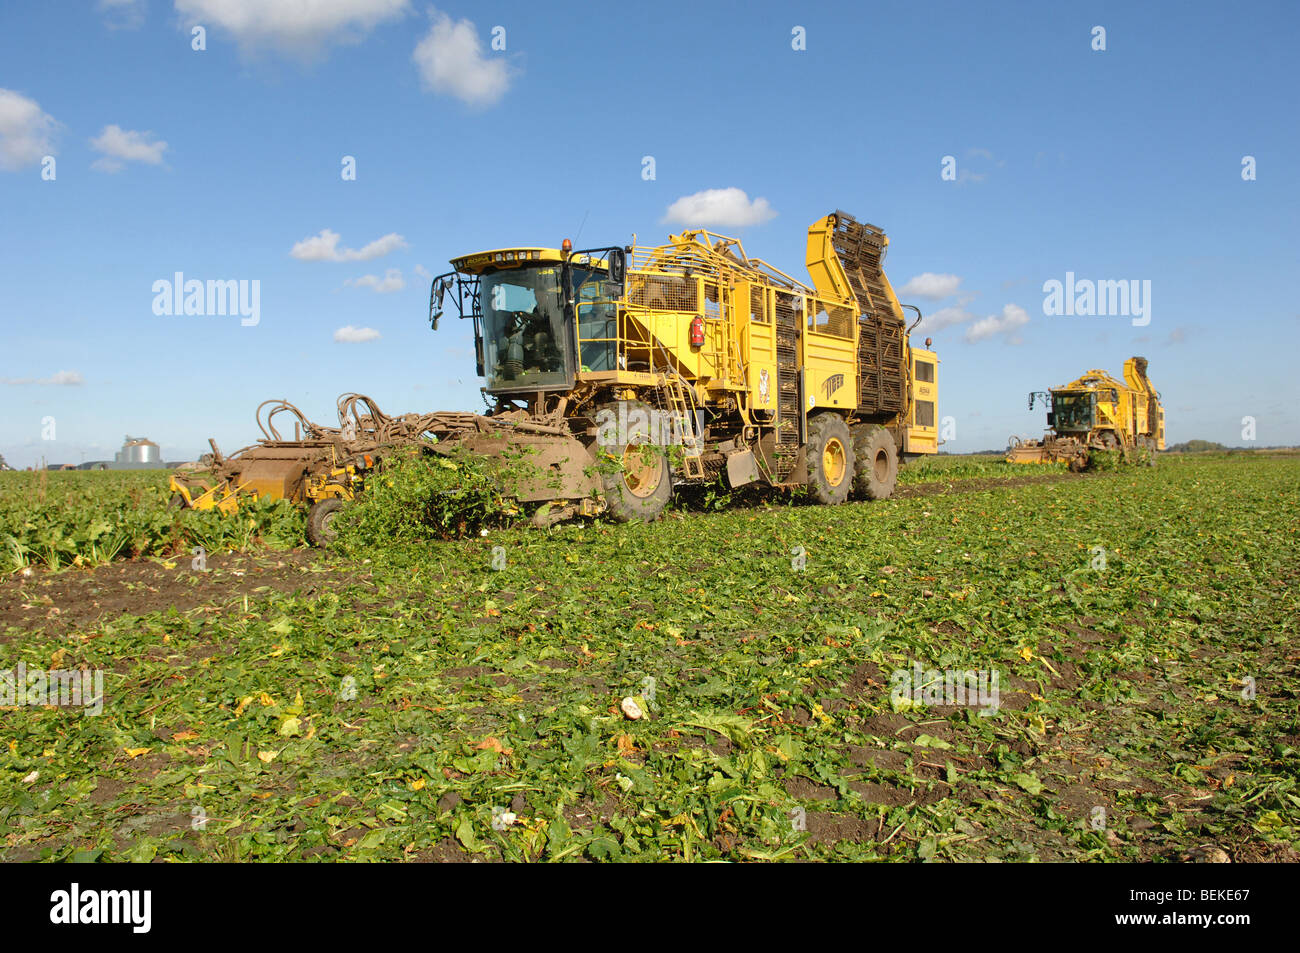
(1097, 412)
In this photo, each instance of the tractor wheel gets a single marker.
(875, 471)
(641, 485)
(1151, 451)
(320, 521)
(829, 454)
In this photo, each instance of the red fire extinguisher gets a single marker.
(697, 332)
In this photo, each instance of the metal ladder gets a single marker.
(681, 403)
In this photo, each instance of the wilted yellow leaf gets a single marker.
(185, 736)
(417, 784)
(266, 757)
(136, 752)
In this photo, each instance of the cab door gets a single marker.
(922, 420)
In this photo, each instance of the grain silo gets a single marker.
(138, 453)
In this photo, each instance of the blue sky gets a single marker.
(1122, 163)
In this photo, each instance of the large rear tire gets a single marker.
(875, 471)
(320, 522)
(829, 453)
(639, 486)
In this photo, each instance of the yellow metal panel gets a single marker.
(830, 372)
(922, 438)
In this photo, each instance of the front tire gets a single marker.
(320, 522)
(875, 471)
(641, 485)
(830, 460)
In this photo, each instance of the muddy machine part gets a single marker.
(319, 462)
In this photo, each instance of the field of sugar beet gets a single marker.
(412, 702)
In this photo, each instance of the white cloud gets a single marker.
(351, 335)
(59, 379)
(451, 60)
(301, 27)
(26, 131)
(392, 281)
(943, 318)
(126, 145)
(931, 286)
(985, 158)
(422, 272)
(324, 247)
(122, 14)
(1013, 316)
(726, 207)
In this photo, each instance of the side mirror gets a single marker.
(436, 293)
(617, 272)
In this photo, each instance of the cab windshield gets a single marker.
(524, 340)
(1073, 412)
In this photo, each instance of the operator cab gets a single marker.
(1073, 412)
(534, 309)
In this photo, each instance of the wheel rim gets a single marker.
(880, 466)
(641, 471)
(834, 462)
(327, 525)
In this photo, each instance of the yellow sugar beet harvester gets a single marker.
(1097, 412)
